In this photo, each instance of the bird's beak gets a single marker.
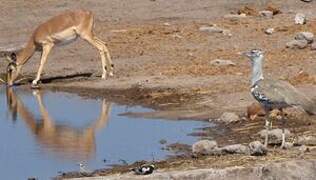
(246, 53)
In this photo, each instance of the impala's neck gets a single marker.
(25, 54)
(257, 73)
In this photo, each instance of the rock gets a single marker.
(308, 36)
(273, 8)
(313, 46)
(235, 16)
(254, 110)
(303, 149)
(215, 29)
(211, 29)
(229, 117)
(300, 18)
(248, 10)
(227, 33)
(205, 147)
(257, 148)
(297, 44)
(306, 140)
(275, 135)
(288, 145)
(307, 0)
(235, 149)
(269, 31)
(221, 62)
(268, 14)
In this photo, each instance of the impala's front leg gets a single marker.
(46, 50)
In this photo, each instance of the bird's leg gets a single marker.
(283, 119)
(268, 125)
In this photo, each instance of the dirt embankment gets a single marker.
(162, 59)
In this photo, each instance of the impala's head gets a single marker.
(13, 69)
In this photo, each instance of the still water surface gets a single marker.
(42, 133)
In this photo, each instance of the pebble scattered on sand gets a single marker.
(222, 62)
(300, 18)
(297, 44)
(268, 14)
(269, 31)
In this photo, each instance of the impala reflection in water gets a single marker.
(63, 140)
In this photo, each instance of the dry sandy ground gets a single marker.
(162, 60)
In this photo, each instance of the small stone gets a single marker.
(227, 33)
(229, 117)
(288, 145)
(303, 149)
(257, 148)
(235, 16)
(269, 31)
(306, 140)
(313, 46)
(211, 29)
(204, 147)
(221, 62)
(235, 149)
(300, 18)
(297, 44)
(307, 0)
(275, 135)
(268, 14)
(308, 36)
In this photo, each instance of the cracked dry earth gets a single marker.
(162, 60)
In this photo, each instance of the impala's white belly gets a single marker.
(64, 37)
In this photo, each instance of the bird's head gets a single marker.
(254, 54)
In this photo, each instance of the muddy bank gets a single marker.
(279, 164)
(297, 169)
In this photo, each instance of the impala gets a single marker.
(63, 28)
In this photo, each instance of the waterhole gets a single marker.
(43, 133)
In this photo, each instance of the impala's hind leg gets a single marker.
(109, 63)
(86, 33)
(97, 45)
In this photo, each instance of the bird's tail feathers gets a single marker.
(310, 106)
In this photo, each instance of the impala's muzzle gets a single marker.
(12, 73)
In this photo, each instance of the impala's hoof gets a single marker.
(103, 77)
(111, 74)
(35, 86)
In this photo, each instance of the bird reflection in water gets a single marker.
(63, 140)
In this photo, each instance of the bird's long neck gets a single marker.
(25, 54)
(257, 73)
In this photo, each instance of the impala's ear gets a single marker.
(11, 58)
